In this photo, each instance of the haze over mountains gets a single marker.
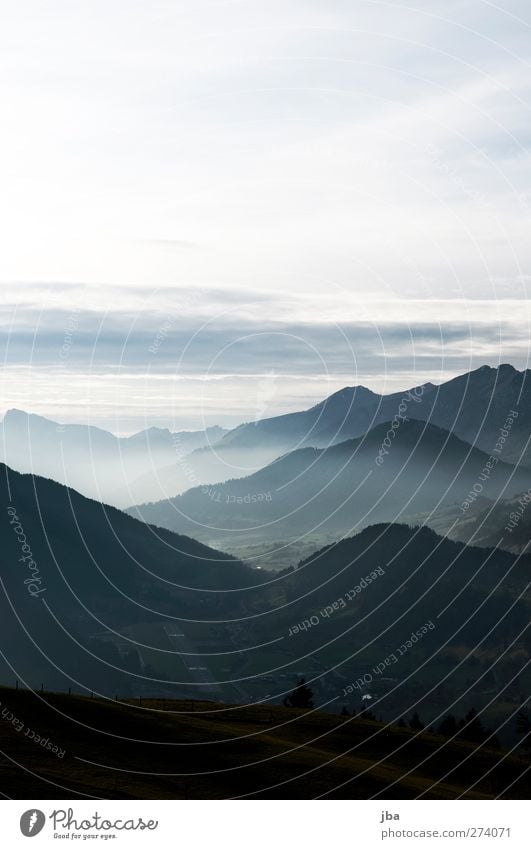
(156, 464)
(341, 488)
(473, 406)
(89, 459)
(505, 523)
(146, 603)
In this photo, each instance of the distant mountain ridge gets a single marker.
(88, 458)
(341, 488)
(156, 464)
(474, 406)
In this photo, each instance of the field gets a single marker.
(59, 746)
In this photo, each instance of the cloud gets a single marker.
(198, 337)
(293, 144)
(246, 168)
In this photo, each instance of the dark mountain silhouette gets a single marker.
(90, 459)
(78, 578)
(477, 407)
(348, 612)
(341, 488)
(72, 570)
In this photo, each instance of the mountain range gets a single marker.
(474, 406)
(343, 488)
(75, 573)
(90, 459)
(95, 600)
(157, 464)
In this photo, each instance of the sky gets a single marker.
(212, 211)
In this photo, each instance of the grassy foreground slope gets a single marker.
(164, 750)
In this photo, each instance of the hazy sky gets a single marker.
(281, 198)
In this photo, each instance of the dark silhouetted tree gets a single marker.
(448, 726)
(471, 728)
(523, 727)
(415, 722)
(302, 696)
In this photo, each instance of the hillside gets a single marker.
(75, 573)
(104, 603)
(226, 752)
(346, 610)
(90, 459)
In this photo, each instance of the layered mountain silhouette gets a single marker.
(75, 572)
(81, 581)
(504, 523)
(92, 460)
(342, 488)
(156, 463)
(474, 406)
(350, 607)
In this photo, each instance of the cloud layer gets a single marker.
(186, 358)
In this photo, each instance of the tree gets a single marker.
(301, 697)
(523, 727)
(471, 728)
(448, 726)
(415, 722)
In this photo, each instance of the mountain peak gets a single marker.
(346, 393)
(14, 416)
(14, 412)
